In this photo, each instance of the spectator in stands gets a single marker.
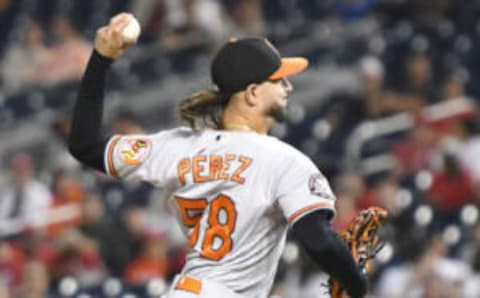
(65, 61)
(37, 246)
(126, 122)
(452, 186)
(354, 186)
(378, 101)
(96, 226)
(35, 281)
(419, 85)
(345, 110)
(348, 187)
(457, 102)
(93, 222)
(68, 195)
(246, 18)
(346, 211)
(78, 256)
(151, 262)
(472, 284)
(25, 200)
(426, 271)
(12, 261)
(22, 63)
(454, 86)
(385, 191)
(188, 23)
(416, 151)
(119, 248)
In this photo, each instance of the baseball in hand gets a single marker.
(131, 32)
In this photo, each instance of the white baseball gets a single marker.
(131, 32)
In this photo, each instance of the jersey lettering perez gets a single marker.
(235, 194)
(203, 168)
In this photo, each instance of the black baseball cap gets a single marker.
(251, 60)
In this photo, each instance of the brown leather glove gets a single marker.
(363, 241)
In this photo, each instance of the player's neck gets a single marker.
(243, 127)
(244, 118)
(234, 126)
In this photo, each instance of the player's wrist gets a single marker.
(360, 287)
(100, 61)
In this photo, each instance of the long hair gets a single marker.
(204, 109)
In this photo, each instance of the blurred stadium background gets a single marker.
(387, 110)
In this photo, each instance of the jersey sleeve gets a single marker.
(302, 188)
(138, 157)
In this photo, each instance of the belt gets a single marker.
(189, 284)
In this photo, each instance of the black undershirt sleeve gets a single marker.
(323, 244)
(85, 141)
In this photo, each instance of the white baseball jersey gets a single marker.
(236, 193)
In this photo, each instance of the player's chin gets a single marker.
(278, 112)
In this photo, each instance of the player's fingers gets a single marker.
(109, 37)
(116, 32)
(120, 25)
(102, 33)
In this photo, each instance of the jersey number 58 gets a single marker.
(221, 224)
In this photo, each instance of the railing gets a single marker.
(372, 129)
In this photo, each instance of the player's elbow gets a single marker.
(313, 231)
(79, 152)
(90, 155)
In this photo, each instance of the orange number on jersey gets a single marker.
(191, 211)
(221, 224)
(221, 221)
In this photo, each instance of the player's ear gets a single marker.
(251, 94)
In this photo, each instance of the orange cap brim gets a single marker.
(289, 67)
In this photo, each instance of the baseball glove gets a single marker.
(363, 241)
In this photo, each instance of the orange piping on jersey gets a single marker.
(111, 167)
(198, 168)
(246, 161)
(216, 164)
(297, 213)
(183, 167)
(226, 166)
(189, 284)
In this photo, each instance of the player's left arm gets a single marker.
(308, 203)
(329, 251)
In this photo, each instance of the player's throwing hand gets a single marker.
(109, 41)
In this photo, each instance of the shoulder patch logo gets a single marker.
(318, 186)
(133, 150)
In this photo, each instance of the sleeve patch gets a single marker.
(133, 151)
(319, 187)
